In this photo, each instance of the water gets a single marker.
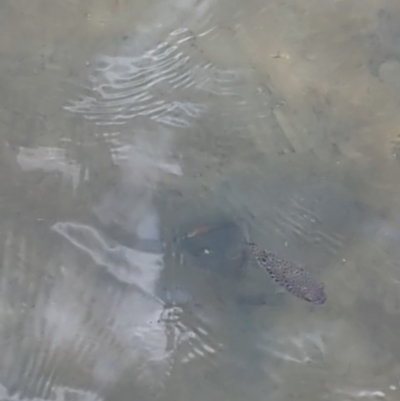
(130, 128)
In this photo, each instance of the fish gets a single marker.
(293, 278)
(199, 230)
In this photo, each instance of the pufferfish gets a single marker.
(293, 278)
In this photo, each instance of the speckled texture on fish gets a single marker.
(295, 279)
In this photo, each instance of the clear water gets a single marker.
(127, 124)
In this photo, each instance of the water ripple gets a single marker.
(168, 334)
(188, 340)
(66, 319)
(154, 84)
(58, 393)
(302, 222)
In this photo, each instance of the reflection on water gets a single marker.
(141, 142)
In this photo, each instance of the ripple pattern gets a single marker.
(188, 339)
(154, 84)
(168, 335)
(302, 222)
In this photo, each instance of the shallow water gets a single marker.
(127, 125)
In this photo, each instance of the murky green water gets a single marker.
(129, 129)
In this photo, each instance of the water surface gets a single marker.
(128, 124)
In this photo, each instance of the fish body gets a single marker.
(293, 278)
(199, 230)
